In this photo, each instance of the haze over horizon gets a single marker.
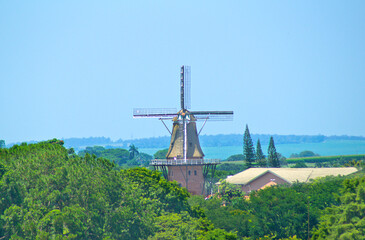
(77, 69)
(168, 136)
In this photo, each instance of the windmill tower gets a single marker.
(185, 161)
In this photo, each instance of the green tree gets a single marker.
(280, 211)
(144, 159)
(56, 141)
(183, 226)
(117, 155)
(228, 191)
(236, 157)
(346, 221)
(97, 150)
(2, 144)
(273, 158)
(161, 154)
(248, 148)
(308, 154)
(133, 151)
(300, 165)
(282, 159)
(2, 170)
(304, 154)
(45, 193)
(71, 151)
(260, 157)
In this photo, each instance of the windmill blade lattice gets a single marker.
(187, 89)
(213, 115)
(185, 86)
(164, 113)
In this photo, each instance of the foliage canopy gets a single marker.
(46, 193)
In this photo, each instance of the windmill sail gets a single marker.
(164, 113)
(213, 115)
(185, 81)
(187, 88)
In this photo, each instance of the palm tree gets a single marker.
(133, 151)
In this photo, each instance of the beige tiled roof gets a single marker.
(289, 174)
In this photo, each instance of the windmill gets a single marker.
(185, 161)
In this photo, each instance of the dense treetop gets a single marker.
(49, 192)
(46, 193)
(121, 157)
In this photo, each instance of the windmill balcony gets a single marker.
(172, 162)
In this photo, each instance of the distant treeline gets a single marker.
(205, 140)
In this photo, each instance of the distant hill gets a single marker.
(205, 140)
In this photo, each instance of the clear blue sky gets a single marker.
(78, 68)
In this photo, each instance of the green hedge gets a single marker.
(327, 158)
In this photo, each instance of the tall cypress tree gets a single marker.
(260, 157)
(248, 149)
(273, 158)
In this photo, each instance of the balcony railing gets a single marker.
(170, 162)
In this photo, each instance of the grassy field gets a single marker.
(346, 158)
